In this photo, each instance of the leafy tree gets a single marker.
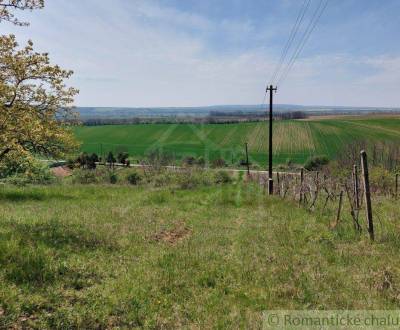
(34, 100)
(93, 159)
(8, 6)
(122, 157)
(111, 159)
(35, 103)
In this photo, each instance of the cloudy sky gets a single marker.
(189, 53)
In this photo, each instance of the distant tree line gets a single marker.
(215, 117)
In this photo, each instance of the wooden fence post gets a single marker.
(339, 208)
(278, 181)
(367, 194)
(356, 187)
(301, 185)
(397, 186)
(270, 183)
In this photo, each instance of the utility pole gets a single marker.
(270, 89)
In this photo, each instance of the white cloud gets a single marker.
(141, 54)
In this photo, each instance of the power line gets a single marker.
(307, 33)
(291, 38)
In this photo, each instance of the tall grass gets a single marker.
(104, 256)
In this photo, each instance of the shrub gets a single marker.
(220, 162)
(110, 159)
(316, 163)
(222, 177)
(189, 161)
(134, 178)
(163, 179)
(113, 177)
(31, 171)
(201, 162)
(84, 176)
(122, 157)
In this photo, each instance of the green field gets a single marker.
(120, 257)
(294, 140)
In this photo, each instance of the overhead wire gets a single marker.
(291, 38)
(307, 33)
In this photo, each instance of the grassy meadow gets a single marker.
(296, 140)
(115, 256)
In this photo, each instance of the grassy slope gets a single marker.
(88, 256)
(293, 139)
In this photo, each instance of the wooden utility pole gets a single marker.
(247, 160)
(367, 194)
(270, 89)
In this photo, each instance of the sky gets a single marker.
(154, 53)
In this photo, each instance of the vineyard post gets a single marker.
(301, 185)
(270, 184)
(356, 187)
(367, 194)
(278, 181)
(247, 160)
(340, 208)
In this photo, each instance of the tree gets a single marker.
(111, 159)
(7, 6)
(122, 157)
(34, 102)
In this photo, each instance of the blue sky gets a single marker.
(192, 53)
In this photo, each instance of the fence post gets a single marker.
(270, 184)
(367, 194)
(340, 208)
(397, 186)
(301, 185)
(356, 187)
(278, 181)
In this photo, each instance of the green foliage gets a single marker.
(201, 162)
(84, 176)
(222, 177)
(316, 163)
(113, 177)
(122, 157)
(29, 171)
(134, 178)
(218, 163)
(189, 161)
(110, 158)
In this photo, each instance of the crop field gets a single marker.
(294, 140)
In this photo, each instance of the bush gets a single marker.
(194, 178)
(84, 176)
(220, 162)
(222, 177)
(189, 161)
(163, 179)
(134, 178)
(113, 178)
(201, 162)
(30, 171)
(316, 163)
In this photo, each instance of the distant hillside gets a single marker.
(115, 112)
